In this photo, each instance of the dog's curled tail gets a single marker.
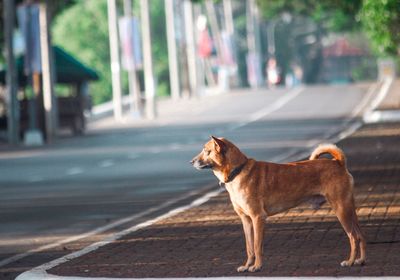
(331, 149)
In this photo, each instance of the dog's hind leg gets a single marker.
(345, 212)
(362, 243)
(248, 234)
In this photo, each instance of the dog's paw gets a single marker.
(346, 263)
(359, 261)
(255, 268)
(242, 268)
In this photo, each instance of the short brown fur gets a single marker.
(261, 189)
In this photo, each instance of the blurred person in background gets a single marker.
(273, 73)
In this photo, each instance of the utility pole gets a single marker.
(230, 29)
(11, 74)
(172, 52)
(134, 88)
(227, 4)
(253, 43)
(148, 61)
(190, 45)
(115, 59)
(47, 77)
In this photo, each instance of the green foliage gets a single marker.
(336, 15)
(159, 47)
(82, 30)
(381, 21)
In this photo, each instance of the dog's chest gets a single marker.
(239, 198)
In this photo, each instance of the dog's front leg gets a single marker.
(248, 234)
(258, 225)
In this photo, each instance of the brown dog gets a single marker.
(260, 189)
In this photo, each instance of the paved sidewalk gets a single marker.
(208, 240)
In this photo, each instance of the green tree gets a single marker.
(334, 15)
(319, 18)
(160, 48)
(82, 30)
(381, 21)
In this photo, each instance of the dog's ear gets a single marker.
(219, 145)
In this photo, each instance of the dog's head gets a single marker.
(218, 154)
(212, 155)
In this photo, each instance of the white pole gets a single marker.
(251, 46)
(48, 88)
(214, 26)
(134, 88)
(172, 53)
(227, 4)
(190, 45)
(149, 82)
(115, 60)
(252, 40)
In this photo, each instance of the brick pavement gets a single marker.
(208, 240)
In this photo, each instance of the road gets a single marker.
(80, 189)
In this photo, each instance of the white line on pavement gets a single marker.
(370, 115)
(270, 109)
(74, 171)
(101, 229)
(106, 163)
(365, 101)
(40, 272)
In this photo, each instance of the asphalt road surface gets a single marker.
(79, 189)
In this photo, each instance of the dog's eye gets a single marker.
(207, 152)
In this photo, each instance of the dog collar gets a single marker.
(233, 174)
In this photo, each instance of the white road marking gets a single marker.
(74, 171)
(364, 102)
(288, 96)
(366, 109)
(382, 116)
(381, 95)
(106, 163)
(372, 116)
(102, 228)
